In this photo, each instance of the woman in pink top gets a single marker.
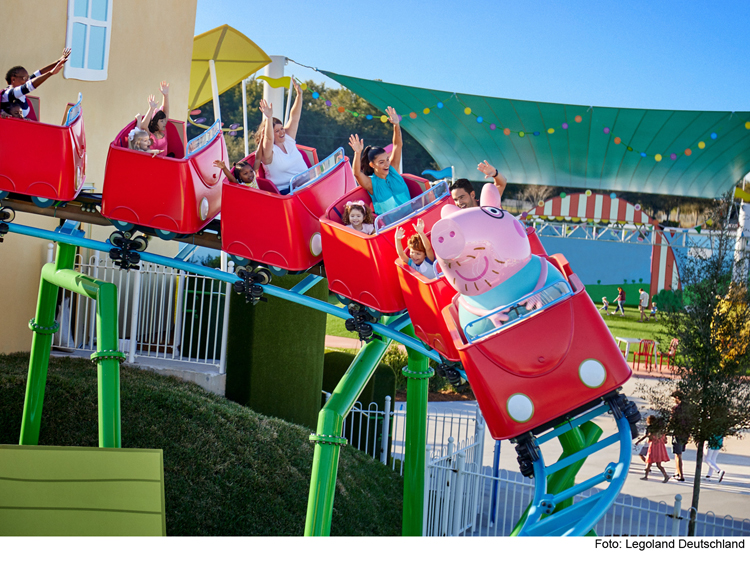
(157, 127)
(279, 153)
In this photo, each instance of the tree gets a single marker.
(712, 322)
(535, 193)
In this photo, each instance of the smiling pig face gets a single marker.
(480, 248)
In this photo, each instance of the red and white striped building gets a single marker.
(602, 208)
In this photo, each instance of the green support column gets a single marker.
(107, 356)
(329, 437)
(417, 375)
(43, 325)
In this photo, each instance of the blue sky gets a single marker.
(689, 55)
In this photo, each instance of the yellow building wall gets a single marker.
(151, 41)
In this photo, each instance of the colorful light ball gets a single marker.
(439, 104)
(565, 125)
(198, 113)
(521, 133)
(368, 116)
(315, 95)
(630, 148)
(413, 115)
(329, 103)
(643, 154)
(617, 141)
(384, 119)
(551, 131)
(588, 193)
(701, 144)
(506, 131)
(688, 152)
(714, 136)
(612, 195)
(606, 130)
(673, 156)
(480, 119)
(302, 86)
(637, 206)
(355, 114)
(540, 203)
(657, 157)
(341, 109)
(747, 125)
(536, 133)
(493, 127)
(200, 120)
(578, 119)
(426, 111)
(563, 195)
(467, 110)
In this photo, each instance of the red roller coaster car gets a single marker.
(171, 195)
(283, 230)
(540, 365)
(44, 161)
(362, 267)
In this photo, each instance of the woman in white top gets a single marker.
(279, 153)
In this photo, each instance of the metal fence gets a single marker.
(164, 313)
(368, 430)
(492, 506)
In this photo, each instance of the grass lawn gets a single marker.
(629, 326)
(227, 470)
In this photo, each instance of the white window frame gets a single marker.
(86, 73)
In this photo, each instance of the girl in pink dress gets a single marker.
(657, 446)
(158, 124)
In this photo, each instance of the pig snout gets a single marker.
(448, 239)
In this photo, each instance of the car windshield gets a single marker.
(411, 208)
(199, 142)
(74, 111)
(528, 305)
(316, 171)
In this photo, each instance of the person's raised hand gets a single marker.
(392, 115)
(266, 109)
(400, 233)
(419, 226)
(356, 143)
(65, 54)
(164, 88)
(219, 164)
(488, 170)
(152, 102)
(297, 89)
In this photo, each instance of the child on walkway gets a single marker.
(421, 256)
(653, 311)
(358, 216)
(605, 306)
(657, 446)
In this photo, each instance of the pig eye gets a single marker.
(494, 212)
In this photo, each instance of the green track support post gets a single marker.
(417, 373)
(329, 437)
(107, 357)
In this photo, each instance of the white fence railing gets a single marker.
(164, 313)
(492, 506)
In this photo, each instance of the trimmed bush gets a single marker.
(227, 470)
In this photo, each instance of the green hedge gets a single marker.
(227, 470)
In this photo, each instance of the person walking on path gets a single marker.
(643, 304)
(657, 447)
(620, 301)
(680, 433)
(715, 444)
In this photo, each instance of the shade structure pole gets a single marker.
(244, 112)
(288, 101)
(274, 96)
(214, 90)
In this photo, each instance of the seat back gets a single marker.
(34, 111)
(673, 347)
(646, 347)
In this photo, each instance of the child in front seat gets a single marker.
(241, 173)
(421, 256)
(357, 215)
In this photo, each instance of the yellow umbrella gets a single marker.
(226, 54)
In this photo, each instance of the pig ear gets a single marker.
(448, 209)
(490, 196)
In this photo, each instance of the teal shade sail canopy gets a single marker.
(675, 152)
